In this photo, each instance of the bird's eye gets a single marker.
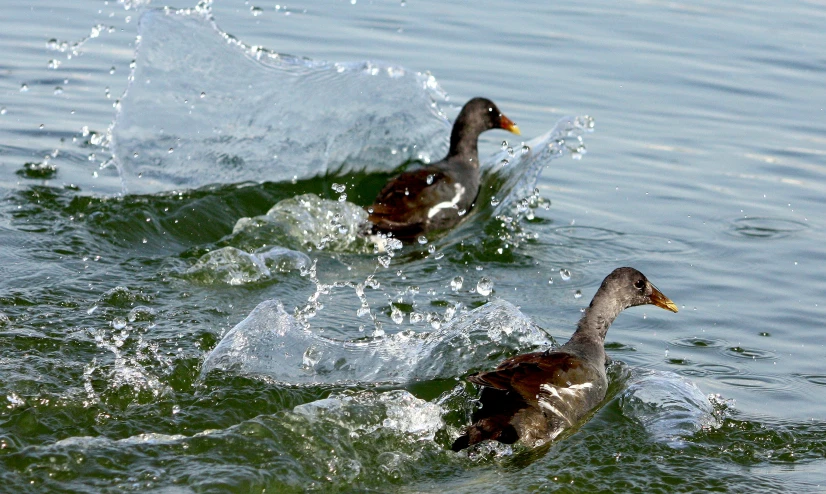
(639, 284)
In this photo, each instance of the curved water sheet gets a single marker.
(204, 108)
(272, 343)
(669, 406)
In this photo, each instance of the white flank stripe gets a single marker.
(553, 409)
(460, 191)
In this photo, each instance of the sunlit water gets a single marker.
(187, 303)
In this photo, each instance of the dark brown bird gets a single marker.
(535, 396)
(437, 196)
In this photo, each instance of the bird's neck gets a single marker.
(597, 319)
(463, 147)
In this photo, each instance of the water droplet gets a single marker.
(422, 239)
(3, 110)
(456, 283)
(494, 201)
(434, 320)
(504, 145)
(431, 248)
(339, 187)
(111, 70)
(396, 315)
(342, 198)
(58, 90)
(438, 255)
(429, 179)
(509, 151)
(203, 94)
(171, 150)
(462, 212)
(526, 149)
(118, 323)
(256, 11)
(578, 294)
(550, 281)
(484, 287)
(416, 317)
(384, 261)
(54, 64)
(24, 88)
(565, 274)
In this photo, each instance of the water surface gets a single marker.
(126, 264)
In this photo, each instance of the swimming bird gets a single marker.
(536, 396)
(437, 196)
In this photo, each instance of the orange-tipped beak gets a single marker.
(507, 124)
(660, 300)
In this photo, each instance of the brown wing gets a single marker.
(404, 202)
(524, 374)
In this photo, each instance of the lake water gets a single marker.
(162, 332)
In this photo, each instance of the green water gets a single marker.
(705, 171)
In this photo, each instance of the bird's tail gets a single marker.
(486, 429)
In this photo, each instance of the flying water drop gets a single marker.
(484, 286)
(396, 314)
(456, 283)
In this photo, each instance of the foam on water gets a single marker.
(272, 343)
(227, 112)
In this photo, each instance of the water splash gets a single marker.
(522, 174)
(274, 344)
(669, 406)
(269, 116)
(305, 222)
(236, 267)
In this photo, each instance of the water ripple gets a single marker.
(765, 227)
(756, 381)
(694, 342)
(749, 353)
(818, 379)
